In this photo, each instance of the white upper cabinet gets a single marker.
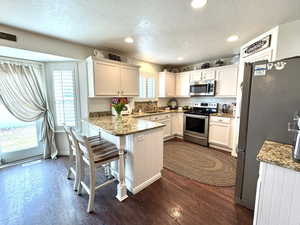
(167, 84)
(183, 84)
(129, 81)
(209, 74)
(108, 78)
(196, 75)
(203, 75)
(227, 77)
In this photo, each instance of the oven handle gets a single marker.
(196, 116)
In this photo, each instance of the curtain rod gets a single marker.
(25, 61)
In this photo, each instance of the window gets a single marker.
(64, 97)
(147, 86)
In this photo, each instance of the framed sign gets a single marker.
(257, 46)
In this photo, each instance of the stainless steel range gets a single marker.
(195, 122)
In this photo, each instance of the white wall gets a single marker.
(39, 43)
(289, 40)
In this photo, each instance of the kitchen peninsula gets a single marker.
(143, 142)
(277, 197)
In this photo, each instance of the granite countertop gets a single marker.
(144, 114)
(226, 115)
(126, 125)
(278, 154)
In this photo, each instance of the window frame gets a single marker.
(146, 76)
(56, 66)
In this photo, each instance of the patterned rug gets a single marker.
(200, 163)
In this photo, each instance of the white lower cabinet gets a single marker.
(220, 132)
(277, 196)
(167, 128)
(173, 122)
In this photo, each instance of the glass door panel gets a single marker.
(18, 140)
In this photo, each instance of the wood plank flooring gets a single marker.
(40, 194)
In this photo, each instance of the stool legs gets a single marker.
(92, 175)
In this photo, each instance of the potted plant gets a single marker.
(119, 104)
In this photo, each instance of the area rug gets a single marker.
(203, 164)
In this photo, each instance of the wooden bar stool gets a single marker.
(94, 155)
(73, 166)
(72, 157)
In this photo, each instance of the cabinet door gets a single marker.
(174, 124)
(209, 74)
(167, 128)
(129, 81)
(170, 85)
(227, 81)
(107, 79)
(183, 84)
(196, 75)
(220, 134)
(179, 124)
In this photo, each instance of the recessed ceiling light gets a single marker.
(129, 40)
(197, 4)
(233, 38)
(180, 58)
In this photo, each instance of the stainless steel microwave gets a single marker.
(203, 88)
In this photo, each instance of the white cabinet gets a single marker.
(167, 84)
(277, 196)
(203, 75)
(106, 78)
(227, 77)
(173, 122)
(179, 127)
(183, 84)
(196, 75)
(167, 128)
(164, 119)
(208, 74)
(129, 81)
(220, 132)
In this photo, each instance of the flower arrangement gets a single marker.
(118, 104)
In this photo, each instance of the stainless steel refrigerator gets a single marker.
(268, 103)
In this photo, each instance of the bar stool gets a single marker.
(94, 155)
(72, 164)
(72, 157)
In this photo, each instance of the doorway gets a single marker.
(18, 140)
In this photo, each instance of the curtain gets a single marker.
(22, 95)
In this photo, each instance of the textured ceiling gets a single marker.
(163, 29)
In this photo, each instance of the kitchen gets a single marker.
(177, 127)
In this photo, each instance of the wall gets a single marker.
(289, 40)
(40, 43)
(193, 100)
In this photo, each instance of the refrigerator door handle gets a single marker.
(239, 149)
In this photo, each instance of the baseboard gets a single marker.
(146, 184)
(175, 136)
(219, 147)
(137, 189)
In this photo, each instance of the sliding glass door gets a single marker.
(18, 140)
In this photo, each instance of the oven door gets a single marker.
(196, 125)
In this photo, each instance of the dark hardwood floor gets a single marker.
(40, 194)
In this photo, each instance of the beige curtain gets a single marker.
(22, 95)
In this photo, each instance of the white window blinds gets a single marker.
(64, 93)
(147, 86)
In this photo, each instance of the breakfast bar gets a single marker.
(143, 142)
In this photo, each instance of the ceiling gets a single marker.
(163, 30)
